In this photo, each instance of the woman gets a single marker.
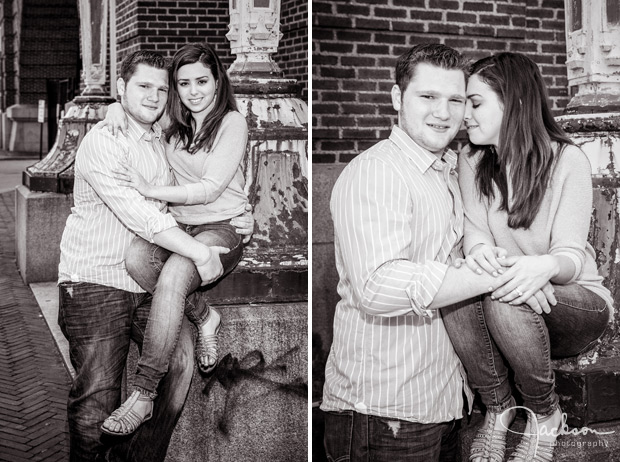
(527, 194)
(205, 145)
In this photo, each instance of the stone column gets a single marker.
(589, 385)
(44, 200)
(254, 406)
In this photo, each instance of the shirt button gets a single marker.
(361, 407)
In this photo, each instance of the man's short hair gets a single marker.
(150, 58)
(432, 53)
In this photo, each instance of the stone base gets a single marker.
(589, 385)
(254, 407)
(39, 222)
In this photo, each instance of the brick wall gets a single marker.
(356, 43)
(7, 57)
(49, 46)
(292, 55)
(164, 26)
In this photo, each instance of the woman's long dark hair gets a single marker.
(181, 117)
(526, 133)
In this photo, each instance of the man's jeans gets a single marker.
(171, 278)
(481, 328)
(99, 322)
(355, 437)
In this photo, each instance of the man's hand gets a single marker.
(244, 223)
(210, 269)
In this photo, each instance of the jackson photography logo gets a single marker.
(563, 430)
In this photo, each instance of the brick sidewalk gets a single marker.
(34, 383)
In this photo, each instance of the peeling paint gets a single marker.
(588, 360)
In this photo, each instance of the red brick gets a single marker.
(369, 23)
(354, 10)
(463, 17)
(338, 72)
(346, 158)
(390, 13)
(425, 15)
(478, 6)
(407, 26)
(400, 39)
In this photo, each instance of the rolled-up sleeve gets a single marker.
(476, 224)
(372, 211)
(222, 162)
(100, 154)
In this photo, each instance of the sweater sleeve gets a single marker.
(476, 226)
(572, 191)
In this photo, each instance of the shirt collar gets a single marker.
(420, 156)
(139, 132)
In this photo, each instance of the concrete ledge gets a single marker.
(254, 407)
(39, 222)
(25, 132)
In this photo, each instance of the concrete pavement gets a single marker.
(34, 383)
(11, 171)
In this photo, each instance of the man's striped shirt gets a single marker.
(106, 216)
(398, 224)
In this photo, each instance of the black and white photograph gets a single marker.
(154, 220)
(465, 230)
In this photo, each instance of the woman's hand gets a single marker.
(115, 119)
(244, 223)
(484, 257)
(129, 176)
(525, 276)
(542, 300)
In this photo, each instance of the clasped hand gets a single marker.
(520, 279)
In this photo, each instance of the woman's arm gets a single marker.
(222, 162)
(219, 169)
(570, 212)
(116, 120)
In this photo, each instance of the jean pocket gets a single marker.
(338, 435)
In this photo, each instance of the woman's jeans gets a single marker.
(481, 329)
(99, 322)
(171, 278)
(355, 437)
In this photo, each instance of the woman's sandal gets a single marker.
(206, 346)
(531, 448)
(125, 420)
(490, 442)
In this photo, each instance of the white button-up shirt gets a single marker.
(398, 222)
(106, 216)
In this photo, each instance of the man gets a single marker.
(101, 307)
(393, 383)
